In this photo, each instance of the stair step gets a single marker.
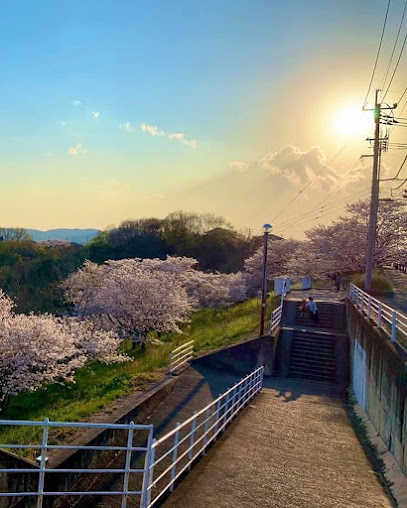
(314, 347)
(312, 368)
(311, 377)
(305, 356)
(300, 357)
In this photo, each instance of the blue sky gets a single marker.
(215, 84)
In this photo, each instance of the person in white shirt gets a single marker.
(313, 310)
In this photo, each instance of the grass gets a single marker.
(380, 283)
(97, 385)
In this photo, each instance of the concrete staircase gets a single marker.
(313, 356)
(310, 351)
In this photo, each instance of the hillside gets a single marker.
(74, 235)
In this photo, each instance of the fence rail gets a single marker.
(127, 471)
(384, 316)
(181, 355)
(275, 319)
(173, 454)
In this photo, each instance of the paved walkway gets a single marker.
(320, 295)
(292, 447)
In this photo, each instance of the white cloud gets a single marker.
(62, 124)
(95, 114)
(127, 127)
(239, 166)
(299, 167)
(77, 150)
(76, 103)
(178, 136)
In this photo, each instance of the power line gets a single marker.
(394, 47)
(395, 68)
(308, 184)
(322, 215)
(328, 209)
(378, 53)
(330, 194)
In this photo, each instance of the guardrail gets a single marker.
(384, 316)
(127, 451)
(275, 319)
(173, 454)
(181, 355)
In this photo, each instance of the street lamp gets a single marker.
(267, 229)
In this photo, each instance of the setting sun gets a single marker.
(352, 121)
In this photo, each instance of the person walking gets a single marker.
(313, 311)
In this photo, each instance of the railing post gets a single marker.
(394, 326)
(174, 458)
(206, 427)
(192, 440)
(43, 463)
(127, 465)
(148, 470)
(362, 302)
(225, 411)
(379, 315)
(171, 358)
(369, 307)
(217, 415)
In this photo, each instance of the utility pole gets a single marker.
(266, 228)
(374, 199)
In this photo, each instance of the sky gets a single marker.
(122, 109)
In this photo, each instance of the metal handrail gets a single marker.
(181, 355)
(385, 317)
(190, 439)
(43, 471)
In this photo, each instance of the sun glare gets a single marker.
(352, 122)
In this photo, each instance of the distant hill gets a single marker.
(70, 235)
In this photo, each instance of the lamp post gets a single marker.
(266, 228)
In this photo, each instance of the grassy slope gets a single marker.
(97, 385)
(380, 283)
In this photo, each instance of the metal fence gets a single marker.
(181, 355)
(275, 319)
(45, 447)
(384, 316)
(173, 454)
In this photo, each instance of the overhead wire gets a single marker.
(377, 54)
(322, 215)
(331, 193)
(394, 49)
(308, 184)
(327, 210)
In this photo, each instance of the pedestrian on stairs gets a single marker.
(313, 311)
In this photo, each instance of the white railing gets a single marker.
(173, 454)
(384, 316)
(277, 314)
(275, 319)
(181, 355)
(125, 453)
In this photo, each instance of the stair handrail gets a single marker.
(277, 314)
(390, 320)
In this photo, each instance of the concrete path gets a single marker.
(292, 447)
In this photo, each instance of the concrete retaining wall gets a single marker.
(244, 357)
(379, 379)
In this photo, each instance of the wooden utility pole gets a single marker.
(374, 199)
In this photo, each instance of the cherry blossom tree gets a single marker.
(136, 296)
(341, 246)
(279, 255)
(38, 349)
